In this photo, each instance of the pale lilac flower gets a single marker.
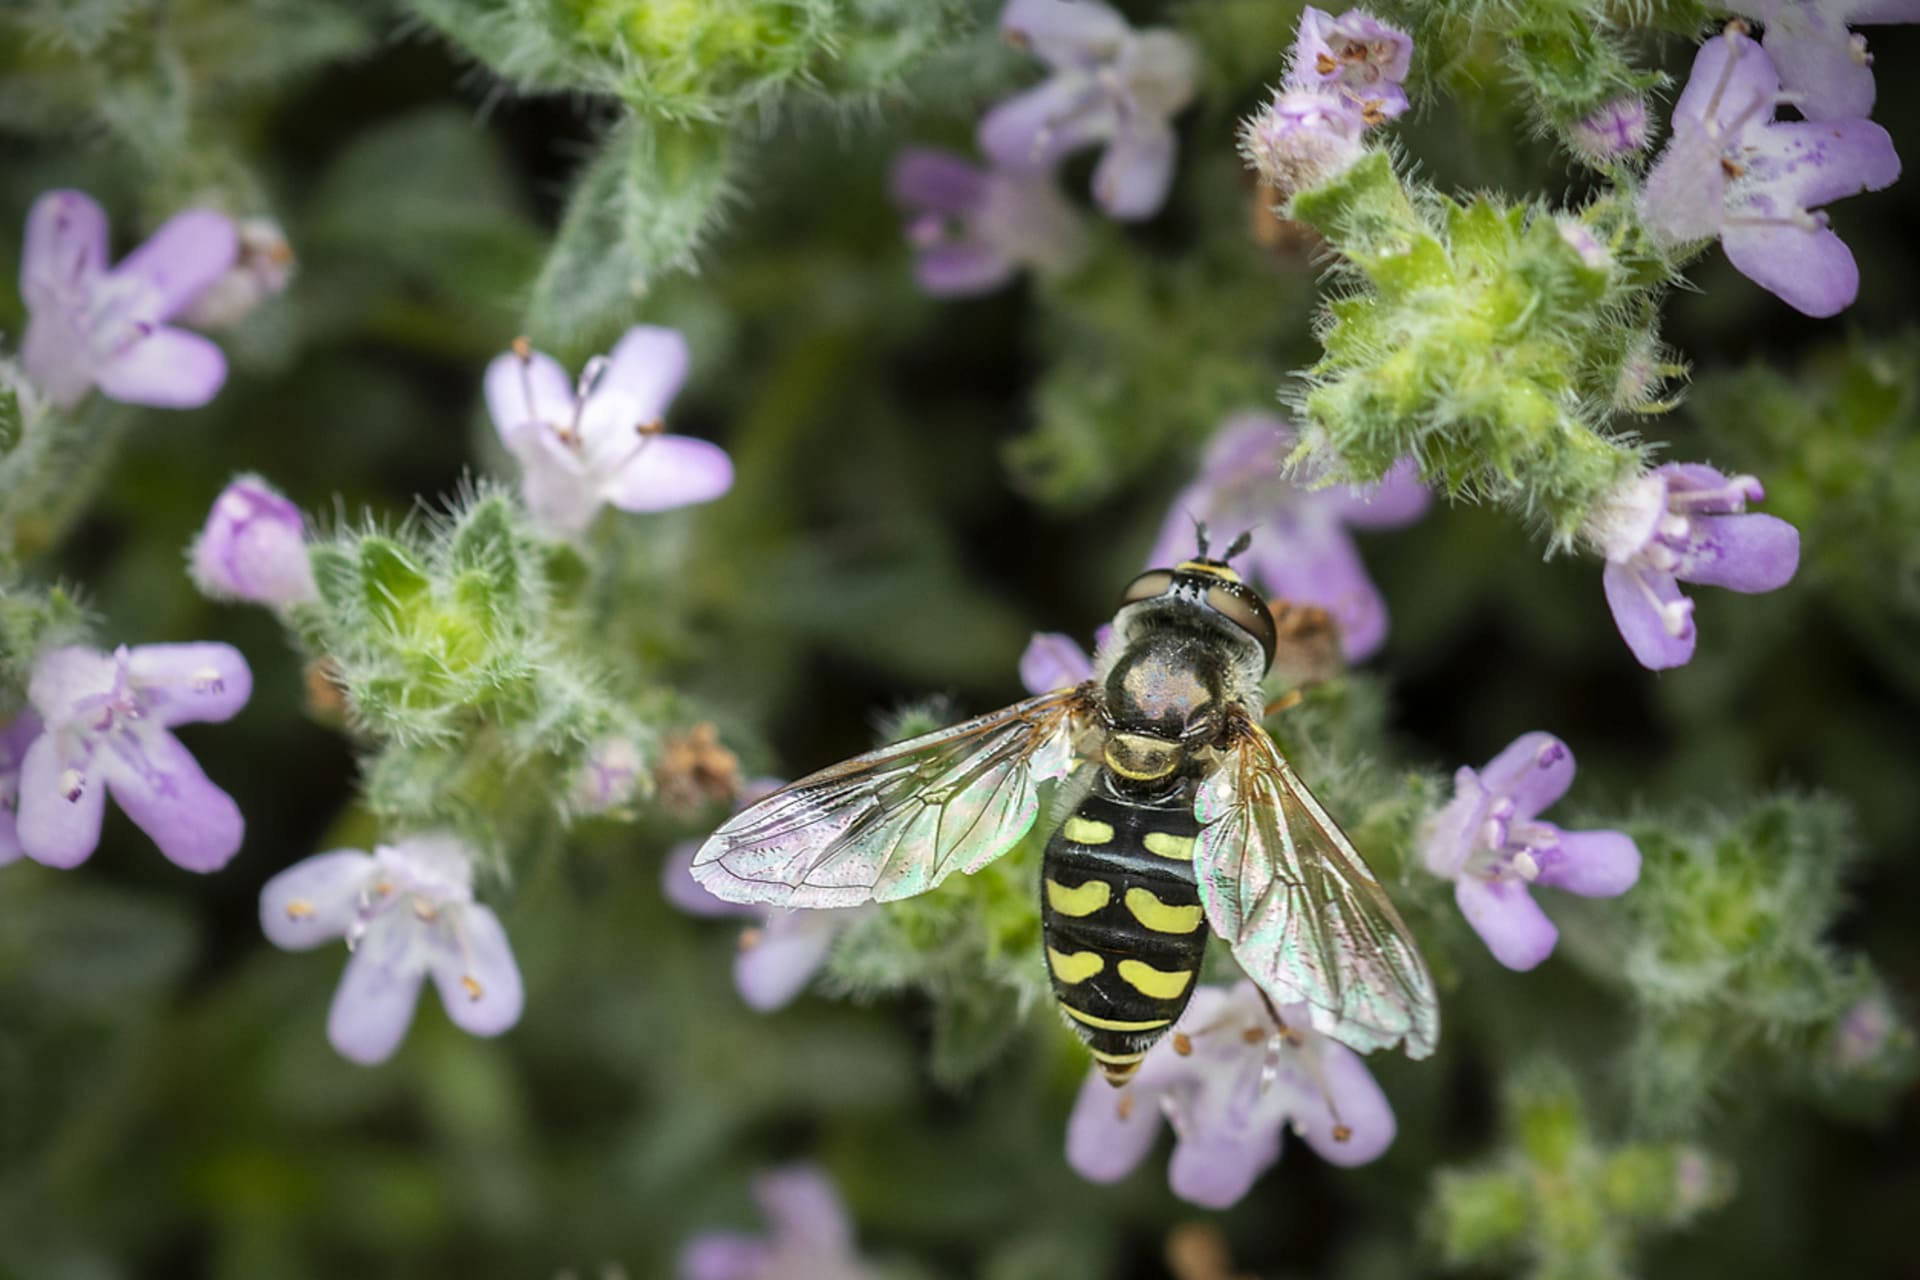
(581, 447)
(406, 911)
(1825, 66)
(1612, 133)
(1303, 138)
(781, 950)
(262, 271)
(1731, 170)
(610, 777)
(973, 229)
(1582, 241)
(89, 325)
(106, 721)
(1231, 1082)
(1684, 522)
(1111, 86)
(1356, 56)
(1301, 550)
(253, 548)
(1491, 843)
(14, 741)
(810, 1237)
(1056, 661)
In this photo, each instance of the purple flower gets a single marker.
(782, 950)
(811, 1238)
(601, 442)
(14, 741)
(1056, 661)
(972, 229)
(1615, 131)
(1732, 171)
(105, 728)
(92, 326)
(1303, 138)
(253, 548)
(1490, 843)
(1231, 1082)
(1684, 522)
(263, 270)
(1825, 66)
(1301, 550)
(1355, 55)
(1111, 86)
(406, 911)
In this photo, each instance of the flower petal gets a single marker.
(1216, 1170)
(373, 1005)
(1748, 553)
(929, 179)
(1734, 79)
(1507, 919)
(182, 258)
(1811, 271)
(162, 788)
(958, 270)
(64, 249)
(1064, 32)
(1814, 55)
(167, 369)
(1111, 1130)
(1135, 171)
(190, 683)
(1305, 557)
(1534, 771)
(650, 365)
(1031, 131)
(804, 1210)
(1685, 194)
(669, 472)
(679, 887)
(1809, 164)
(1053, 661)
(725, 1255)
(52, 829)
(315, 899)
(1453, 834)
(1362, 1106)
(775, 965)
(534, 390)
(1398, 499)
(472, 964)
(1593, 864)
(1638, 616)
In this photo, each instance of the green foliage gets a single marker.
(1560, 1205)
(1480, 340)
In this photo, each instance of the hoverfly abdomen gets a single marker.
(1124, 928)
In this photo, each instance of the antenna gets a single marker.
(1200, 536)
(1239, 545)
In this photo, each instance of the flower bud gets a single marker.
(1612, 133)
(262, 271)
(1304, 137)
(610, 776)
(253, 548)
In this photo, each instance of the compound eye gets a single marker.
(1249, 612)
(1154, 582)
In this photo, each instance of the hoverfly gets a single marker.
(1186, 818)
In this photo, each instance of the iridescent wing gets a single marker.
(898, 821)
(1305, 918)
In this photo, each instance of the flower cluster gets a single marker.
(1301, 551)
(1231, 1079)
(1346, 75)
(1734, 172)
(1110, 86)
(1492, 844)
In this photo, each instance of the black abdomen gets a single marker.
(1125, 932)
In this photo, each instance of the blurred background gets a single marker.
(922, 485)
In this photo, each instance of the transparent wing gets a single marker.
(1305, 918)
(898, 821)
